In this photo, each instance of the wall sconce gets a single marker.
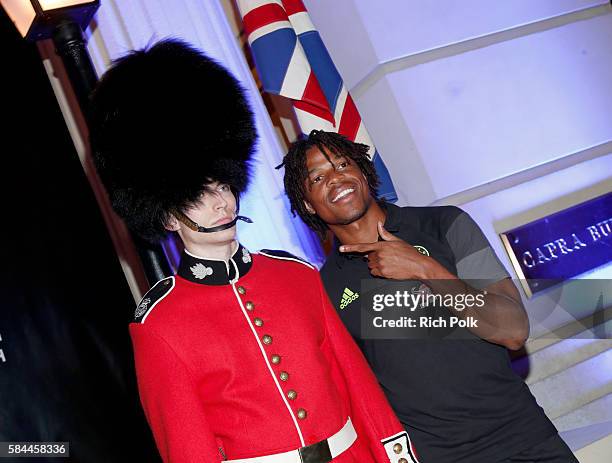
(37, 19)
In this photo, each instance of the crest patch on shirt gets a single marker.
(421, 249)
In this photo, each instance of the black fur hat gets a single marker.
(165, 121)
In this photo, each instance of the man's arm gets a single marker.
(501, 320)
(170, 401)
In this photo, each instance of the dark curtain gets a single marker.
(67, 372)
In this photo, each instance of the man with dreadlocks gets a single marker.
(458, 398)
(240, 356)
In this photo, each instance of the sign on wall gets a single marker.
(562, 245)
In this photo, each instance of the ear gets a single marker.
(309, 208)
(172, 224)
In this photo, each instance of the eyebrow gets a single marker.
(314, 170)
(329, 161)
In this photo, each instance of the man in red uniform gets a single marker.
(240, 356)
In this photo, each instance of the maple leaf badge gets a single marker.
(201, 271)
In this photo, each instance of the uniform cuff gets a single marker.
(399, 449)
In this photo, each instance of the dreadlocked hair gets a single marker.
(296, 171)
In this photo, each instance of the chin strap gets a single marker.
(198, 228)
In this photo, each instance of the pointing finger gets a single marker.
(360, 247)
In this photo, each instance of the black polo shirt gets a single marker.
(459, 399)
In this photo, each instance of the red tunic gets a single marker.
(249, 358)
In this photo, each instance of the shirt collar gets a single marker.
(392, 224)
(394, 217)
(207, 271)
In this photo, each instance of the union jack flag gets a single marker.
(293, 62)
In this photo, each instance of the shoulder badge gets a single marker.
(153, 296)
(284, 255)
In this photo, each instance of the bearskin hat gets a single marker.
(165, 121)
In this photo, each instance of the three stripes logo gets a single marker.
(348, 296)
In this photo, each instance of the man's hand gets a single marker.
(395, 259)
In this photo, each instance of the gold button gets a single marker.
(250, 305)
(301, 414)
(241, 290)
(267, 339)
(291, 394)
(284, 376)
(402, 460)
(276, 359)
(397, 448)
(258, 322)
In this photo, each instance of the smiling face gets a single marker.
(335, 188)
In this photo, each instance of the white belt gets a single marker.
(321, 452)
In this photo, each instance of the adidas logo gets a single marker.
(348, 296)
